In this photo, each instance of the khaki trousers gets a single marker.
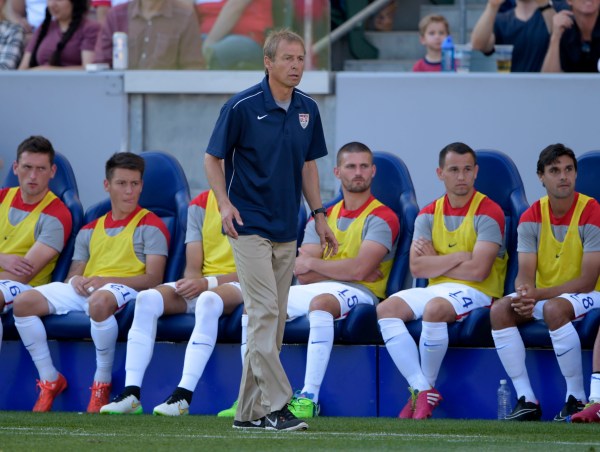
(265, 271)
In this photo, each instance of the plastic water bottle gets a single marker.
(448, 55)
(504, 400)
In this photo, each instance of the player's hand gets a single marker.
(302, 263)
(79, 283)
(229, 214)
(329, 244)
(375, 275)
(563, 20)
(94, 283)
(424, 247)
(190, 288)
(17, 265)
(523, 306)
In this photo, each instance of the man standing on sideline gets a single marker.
(269, 137)
(35, 223)
(559, 263)
(330, 287)
(458, 244)
(115, 256)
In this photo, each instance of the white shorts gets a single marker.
(462, 298)
(348, 296)
(582, 304)
(63, 298)
(10, 289)
(191, 302)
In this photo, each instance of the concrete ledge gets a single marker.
(213, 82)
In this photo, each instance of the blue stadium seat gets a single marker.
(393, 186)
(535, 334)
(63, 185)
(588, 169)
(166, 193)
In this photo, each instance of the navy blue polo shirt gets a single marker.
(264, 149)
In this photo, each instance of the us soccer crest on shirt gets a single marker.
(304, 118)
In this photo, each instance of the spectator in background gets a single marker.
(384, 19)
(433, 29)
(65, 40)
(162, 34)
(527, 27)
(11, 41)
(575, 40)
(233, 32)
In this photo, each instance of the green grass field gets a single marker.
(72, 431)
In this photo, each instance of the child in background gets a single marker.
(433, 29)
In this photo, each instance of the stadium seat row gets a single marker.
(166, 192)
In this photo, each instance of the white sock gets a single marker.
(209, 308)
(567, 348)
(320, 343)
(33, 334)
(433, 345)
(149, 306)
(244, 336)
(403, 350)
(104, 335)
(595, 388)
(511, 352)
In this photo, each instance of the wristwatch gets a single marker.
(549, 5)
(322, 210)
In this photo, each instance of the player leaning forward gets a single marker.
(559, 263)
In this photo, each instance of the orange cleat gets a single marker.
(100, 396)
(48, 392)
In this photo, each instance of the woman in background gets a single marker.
(65, 40)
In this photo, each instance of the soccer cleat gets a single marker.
(425, 403)
(229, 412)
(247, 425)
(409, 409)
(173, 406)
(302, 406)
(591, 413)
(572, 406)
(123, 404)
(48, 392)
(525, 411)
(284, 421)
(100, 396)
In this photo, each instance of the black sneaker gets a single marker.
(525, 411)
(284, 421)
(572, 406)
(255, 424)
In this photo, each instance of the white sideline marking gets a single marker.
(294, 436)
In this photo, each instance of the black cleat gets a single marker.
(525, 411)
